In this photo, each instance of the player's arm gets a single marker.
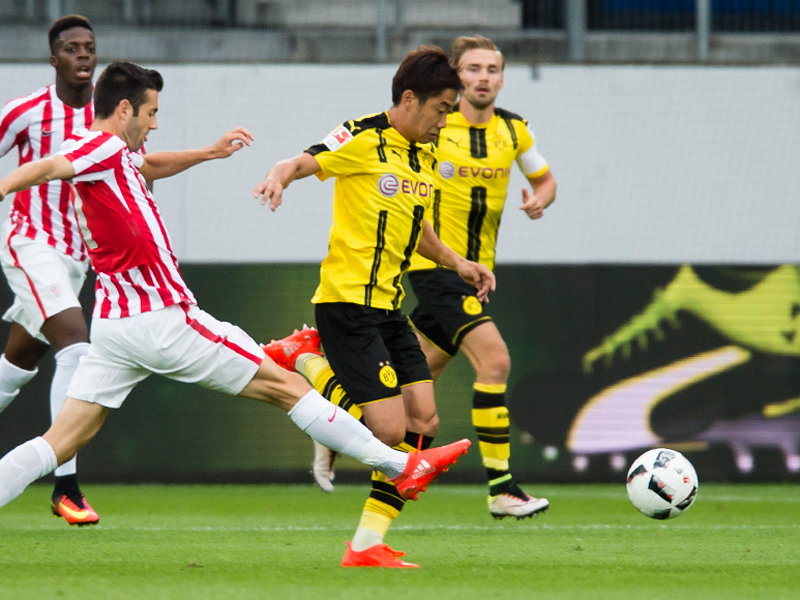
(536, 170)
(166, 164)
(36, 173)
(432, 248)
(544, 194)
(281, 175)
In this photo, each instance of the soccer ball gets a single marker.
(662, 484)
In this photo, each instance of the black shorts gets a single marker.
(372, 351)
(447, 308)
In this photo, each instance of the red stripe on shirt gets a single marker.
(65, 195)
(144, 300)
(102, 301)
(123, 299)
(43, 190)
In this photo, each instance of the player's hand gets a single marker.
(231, 142)
(270, 191)
(532, 204)
(480, 276)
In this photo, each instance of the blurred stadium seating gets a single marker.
(363, 30)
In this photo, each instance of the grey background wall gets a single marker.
(655, 164)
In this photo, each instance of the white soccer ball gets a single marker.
(662, 484)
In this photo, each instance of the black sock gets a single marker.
(67, 485)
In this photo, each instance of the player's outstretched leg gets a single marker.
(300, 352)
(338, 430)
(335, 428)
(421, 468)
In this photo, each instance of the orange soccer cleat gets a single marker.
(376, 556)
(73, 513)
(425, 466)
(285, 351)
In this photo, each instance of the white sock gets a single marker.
(66, 362)
(24, 465)
(338, 430)
(12, 378)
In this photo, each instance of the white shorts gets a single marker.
(181, 342)
(45, 281)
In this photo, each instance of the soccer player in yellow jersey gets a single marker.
(384, 168)
(476, 152)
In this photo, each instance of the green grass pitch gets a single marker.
(242, 542)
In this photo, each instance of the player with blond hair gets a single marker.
(477, 150)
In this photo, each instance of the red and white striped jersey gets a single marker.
(123, 231)
(37, 125)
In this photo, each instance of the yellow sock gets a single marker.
(490, 419)
(384, 503)
(318, 371)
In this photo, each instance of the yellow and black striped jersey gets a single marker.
(472, 180)
(384, 184)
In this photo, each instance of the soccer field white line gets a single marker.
(601, 491)
(576, 527)
(606, 494)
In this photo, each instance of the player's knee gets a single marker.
(495, 366)
(276, 385)
(26, 358)
(390, 434)
(431, 426)
(65, 329)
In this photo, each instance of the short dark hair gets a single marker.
(122, 80)
(465, 44)
(62, 24)
(427, 72)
